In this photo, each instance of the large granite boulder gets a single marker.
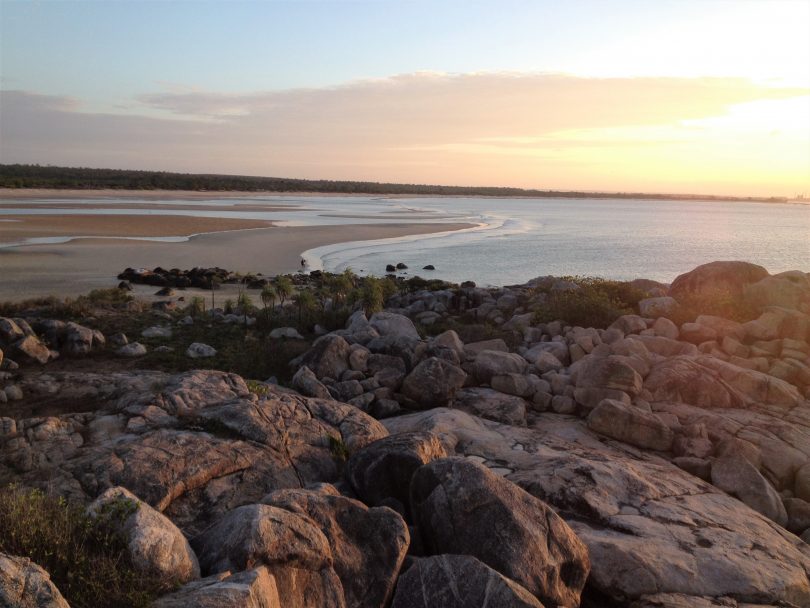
(650, 527)
(305, 382)
(393, 324)
(489, 363)
(458, 581)
(254, 588)
(367, 546)
(383, 470)
(328, 357)
(787, 289)
(716, 278)
(156, 546)
(23, 584)
(463, 508)
(738, 477)
(30, 350)
(262, 534)
(631, 425)
(612, 372)
(433, 382)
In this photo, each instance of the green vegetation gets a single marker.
(85, 556)
(339, 449)
(38, 176)
(73, 308)
(596, 303)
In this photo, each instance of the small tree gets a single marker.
(305, 301)
(284, 288)
(268, 297)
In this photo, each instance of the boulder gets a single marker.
(306, 383)
(133, 349)
(629, 324)
(463, 508)
(719, 279)
(787, 289)
(472, 349)
(665, 328)
(458, 581)
(156, 546)
(798, 512)
(328, 357)
(367, 546)
(198, 350)
(513, 384)
(696, 333)
(393, 324)
(157, 332)
(23, 584)
(492, 405)
(611, 372)
(9, 331)
(648, 525)
(433, 383)
(250, 589)
(489, 363)
(31, 349)
(738, 477)
(383, 470)
(258, 534)
(450, 340)
(289, 333)
(545, 361)
(631, 425)
(663, 306)
(78, 340)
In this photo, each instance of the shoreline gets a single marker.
(73, 194)
(79, 266)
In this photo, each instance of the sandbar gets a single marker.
(30, 226)
(74, 268)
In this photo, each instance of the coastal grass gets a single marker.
(85, 556)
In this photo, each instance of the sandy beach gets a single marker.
(14, 228)
(77, 267)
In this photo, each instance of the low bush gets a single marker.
(86, 557)
(596, 303)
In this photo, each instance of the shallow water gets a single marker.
(517, 239)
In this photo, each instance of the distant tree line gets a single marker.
(82, 178)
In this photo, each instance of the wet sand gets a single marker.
(29, 226)
(76, 267)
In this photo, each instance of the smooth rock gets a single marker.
(463, 508)
(156, 546)
(458, 581)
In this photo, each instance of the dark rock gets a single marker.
(384, 469)
(433, 383)
(429, 267)
(367, 546)
(458, 581)
(716, 279)
(463, 508)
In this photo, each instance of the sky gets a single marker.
(682, 96)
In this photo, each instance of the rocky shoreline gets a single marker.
(662, 460)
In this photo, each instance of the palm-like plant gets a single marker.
(268, 297)
(305, 300)
(284, 288)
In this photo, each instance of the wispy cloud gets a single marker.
(414, 127)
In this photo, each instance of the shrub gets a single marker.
(597, 302)
(86, 556)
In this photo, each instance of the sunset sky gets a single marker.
(703, 96)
